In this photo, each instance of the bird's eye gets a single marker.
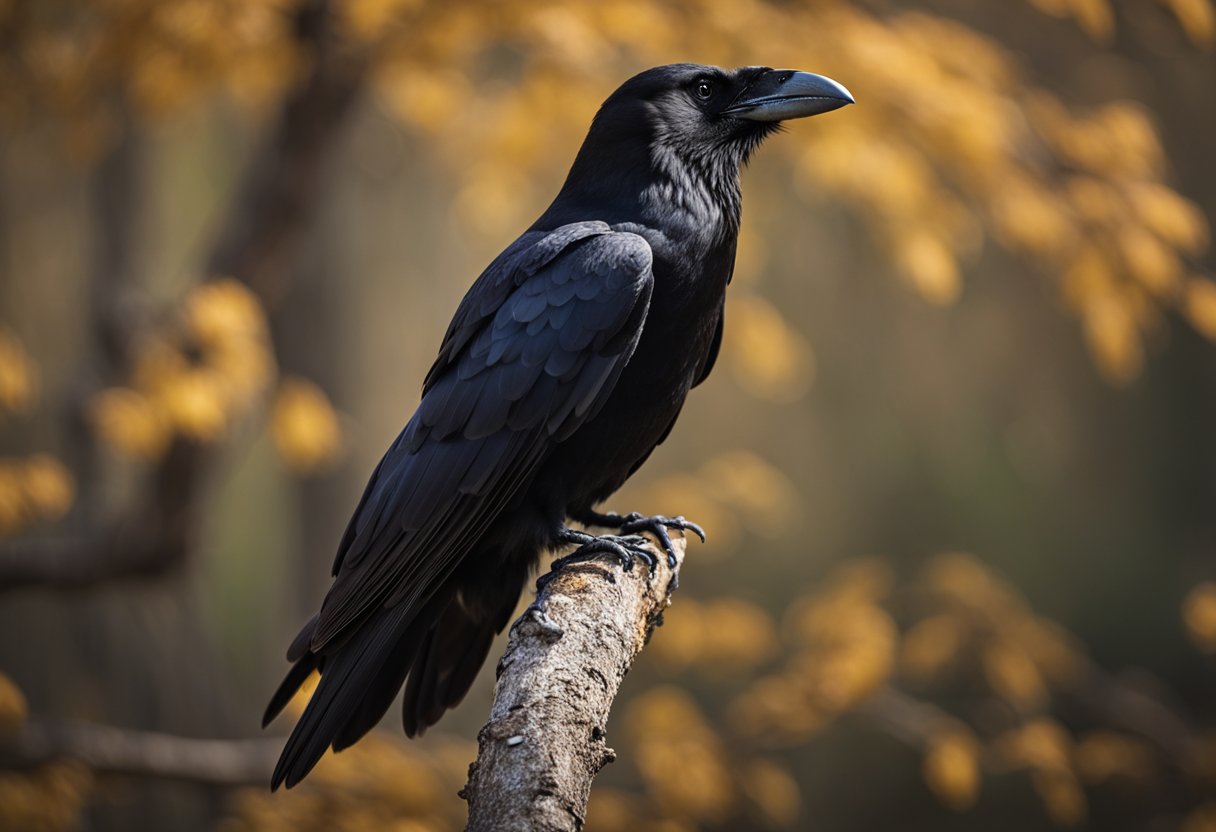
(704, 90)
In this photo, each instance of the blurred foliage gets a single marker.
(199, 374)
(305, 428)
(864, 647)
(18, 375)
(49, 798)
(982, 152)
(45, 798)
(191, 378)
(381, 783)
(35, 489)
(1199, 612)
(1097, 17)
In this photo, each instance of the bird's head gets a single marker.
(694, 125)
(698, 110)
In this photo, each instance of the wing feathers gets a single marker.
(533, 352)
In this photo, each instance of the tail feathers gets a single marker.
(348, 673)
(440, 649)
(302, 641)
(299, 672)
(381, 692)
(447, 664)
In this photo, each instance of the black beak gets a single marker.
(781, 94)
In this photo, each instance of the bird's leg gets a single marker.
(635, 522)
(626, 548)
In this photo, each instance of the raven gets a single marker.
(566, 363)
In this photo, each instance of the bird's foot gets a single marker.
(656, 524)
(626, 548)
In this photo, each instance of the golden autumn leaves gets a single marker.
(861, 648)
(852, 649)
(1097, 17)
(36, 488)
(954, 144)
(48, 797)
(196, 379)
(75, 60)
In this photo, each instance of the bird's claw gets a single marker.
(627, 548)
(658, 525)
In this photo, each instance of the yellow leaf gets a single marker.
(1089, 275)
(929, 266)
(1055, 652)
(1172, 217)
(775, 709)
(366, 18)
(766, 498)
(743, 635)
(682, 641)
(1197, 18)
(1096, 17)
(246, 366)
(1062, 797)
(1027, 215)
(1040, 744)
(1149, 261)
(13, 707)
(1129, 129)
(774, 791)
(18, 375)
(929, 645)
(670, 734)
(1106, 755)
(304, 426)
(951, 768)
(770, 359)
(1199, 615)
(1094, 199)
(130, 422)
(49, 486)
(966, 581)
(850, 653)
(1013, 676)
(1110, 332)
(221, 310)
(425, 98)
(158, 363)
(1199, 305)
(196, 402)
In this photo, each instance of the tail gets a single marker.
(450, 656)
(440, 650)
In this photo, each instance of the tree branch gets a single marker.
(565, 660)
(109, 750)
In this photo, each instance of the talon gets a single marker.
(658, 526)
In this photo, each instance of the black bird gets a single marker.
(565, 365)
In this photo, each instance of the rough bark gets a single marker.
(566, 657)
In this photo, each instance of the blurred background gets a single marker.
(957, 463)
